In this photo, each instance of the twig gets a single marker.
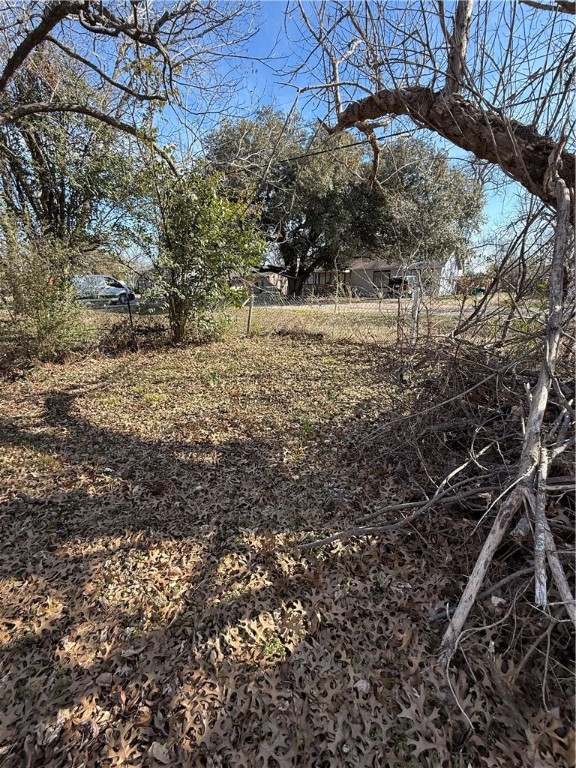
(443, 403)
(558, 448)
(436, 498)
(424, 506)
(531, 650)
(448, 612)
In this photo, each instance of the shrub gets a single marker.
(44, 314)
(205, 240)
(209, 326)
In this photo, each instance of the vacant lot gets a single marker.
(157, 608)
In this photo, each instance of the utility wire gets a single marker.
(343, 146)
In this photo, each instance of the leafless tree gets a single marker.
(494, 79)
(136, 52)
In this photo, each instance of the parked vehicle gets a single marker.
(103, 288)
(402, 286)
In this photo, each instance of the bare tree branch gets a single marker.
(562, 6)
(18, 113)
(154, 42)
(488, 135)
(541, 587)
(139, 96)
(54, 13)
(458, 46)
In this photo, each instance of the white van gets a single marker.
(102, 287)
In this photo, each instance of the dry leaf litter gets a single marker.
(157, 609)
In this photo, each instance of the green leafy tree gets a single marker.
(307, 188)
(318, 210)
(319, 229)
(254, 155)
(428, 209)
(64, 175)
(205, 240)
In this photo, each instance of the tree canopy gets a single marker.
(64, 175)
(318, 208)
(493, 78)
(135, 54)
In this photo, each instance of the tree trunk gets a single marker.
(178, 318)
(296, 284)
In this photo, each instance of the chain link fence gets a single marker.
(411, 319)
(406, 321)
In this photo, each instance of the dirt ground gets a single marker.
(156, 606)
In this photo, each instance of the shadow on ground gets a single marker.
(157, 609)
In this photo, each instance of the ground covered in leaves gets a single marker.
(157, 608)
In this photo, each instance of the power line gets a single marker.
(343, 146)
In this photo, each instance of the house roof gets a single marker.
(268, 269)
(365, 264)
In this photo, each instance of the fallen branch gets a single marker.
(540, 585)
(531, 452)
(476, 579)
(558, 573)
(422, 507)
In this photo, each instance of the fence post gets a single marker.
(415, 314)
(250, 308)
(130, 314)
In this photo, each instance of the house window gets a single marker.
(317, 276)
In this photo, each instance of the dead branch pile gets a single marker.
(456, 437)
(495, 447)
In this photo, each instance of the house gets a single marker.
(146, 280)
(270, 279)
(371, 277)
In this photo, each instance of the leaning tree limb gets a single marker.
(518, 149)
(531, 452)
(419, 507)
